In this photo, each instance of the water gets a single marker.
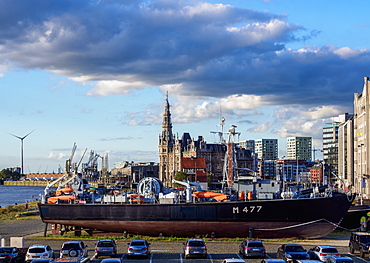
(9, 195)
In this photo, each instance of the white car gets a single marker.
(39, 252)
(322, 253)
(233, 260)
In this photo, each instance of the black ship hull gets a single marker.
(289, 218)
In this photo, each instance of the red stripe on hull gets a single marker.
(221, 229)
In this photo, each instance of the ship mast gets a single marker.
(230, 159)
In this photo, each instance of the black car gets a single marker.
(339, 260)
(106, 247)
(11, 255)
(292, 252)
(359, 242)
(252, 248)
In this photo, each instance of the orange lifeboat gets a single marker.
(135, 196)
(55, 199)
(64, 191)
(137, 201)
(206, 194)
(221, 197)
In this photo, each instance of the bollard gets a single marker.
(251, 232)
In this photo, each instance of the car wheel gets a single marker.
(72, 252)
(362, 253)
(351, 249)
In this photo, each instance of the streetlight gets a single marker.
(361, 175)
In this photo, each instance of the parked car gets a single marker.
(252, 248)
(39, 252)
(42, 260)
(359, 242)
(72, 260)
(308, 261)
(195, 247)
(323, 252)
(339, 260)
(233, 260)
(292, 252)
(73, 249)
(106, 247)
(112, 260)
(272, 260)
(138, 248)
(11, 255)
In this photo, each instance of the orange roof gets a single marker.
(189, 163)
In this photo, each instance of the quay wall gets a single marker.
(34, 183)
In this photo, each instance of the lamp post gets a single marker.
(361, 175)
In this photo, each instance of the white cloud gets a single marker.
(347, 52)
(262, 128)
(59, 156)
(111, 87)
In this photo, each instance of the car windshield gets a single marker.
(36, 250)
(329, 250)
(70, 246)
(137, 243)
(255, 244)
(294, 249)
(6, 250)
(196, 243)
(365, 239)
(105, 244)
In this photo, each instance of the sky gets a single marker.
(96, 73)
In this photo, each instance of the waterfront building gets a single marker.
(173, 150)
(267, 169)
(361, 143)
(248, 144)
(331, 143)
(133, 172)
(346, 154)
(299, 148)
(291, 171)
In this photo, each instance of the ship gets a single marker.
(305, 218)
(238, 210)
(189, 211)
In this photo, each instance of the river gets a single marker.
(10, 195)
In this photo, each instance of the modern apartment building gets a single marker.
(248, 144)
(331, 142)
(299, 148)
(267, 149)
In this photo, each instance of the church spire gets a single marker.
(167, 124)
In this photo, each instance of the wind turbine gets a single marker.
(22, 138)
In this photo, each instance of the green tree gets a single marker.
(6, 174)
(180, 176)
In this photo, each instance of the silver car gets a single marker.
(138, 248)
(106, 247)
(195, 247)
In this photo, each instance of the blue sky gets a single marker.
(97, 72)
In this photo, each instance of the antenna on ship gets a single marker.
(22, 138)
(221, 133)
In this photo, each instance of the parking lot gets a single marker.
(172, 251)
